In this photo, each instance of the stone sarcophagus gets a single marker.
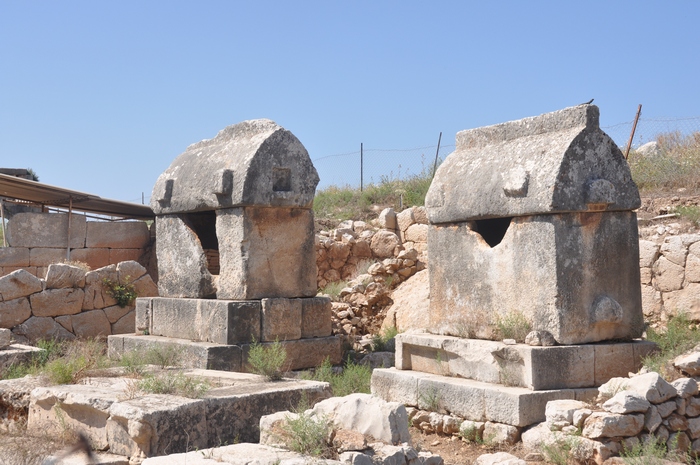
(236, 258)
(534, 218)
(234, 218)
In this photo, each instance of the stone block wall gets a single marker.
(670, 275)
(70, 302)
(36, 240)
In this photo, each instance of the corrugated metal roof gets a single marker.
(37, 192)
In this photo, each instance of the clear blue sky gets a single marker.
(101, 96)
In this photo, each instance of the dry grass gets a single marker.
(677, 165)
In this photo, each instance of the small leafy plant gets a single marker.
(351, 379)
(124, 294)
(680, 336)
(305, 434)
(174, 383)
(267, 359)
(384, 342)
(513, 325)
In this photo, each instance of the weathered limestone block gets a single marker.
(145, 287)
(126, 324)
(686, 301)
(651, 301)
(685, 387)
(689, 364)
(62, 275)
(645, 276)
(281, 319)
(19, 283)
(652, 387)
(95, 258)
(563, 410)
(652, 419)
(209, 320)
(585, 450)
(46, 230)
(115, 312)
(14, 312)
(38, 327)
(501, 434)
(387, 219)
(384, 243)
(626, 402)
(156, 424)
(278, 257)
(91, 323)
(5, 338)
(411, 303)
(14, 256)
(39, 256)
(304, 353)
(610, 425)
(14, 393)
(117, 235)
(369, 415)
(674, 250)
(187, 277)
(692, 268)
(57, 302)
(669, 276)
(125, 255)
(316, 313)
(237, 454)
(499, 458)
(96, 295)
(130, 271)
(417, 233)
(648, 253)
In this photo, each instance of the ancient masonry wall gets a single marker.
(36, 240)
(71, 302)
(670, 275)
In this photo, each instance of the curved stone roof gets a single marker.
(253, 163)
(554, 163)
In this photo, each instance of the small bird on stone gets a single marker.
(588, 102)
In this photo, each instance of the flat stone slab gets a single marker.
(532, 367)
(237, 454)
(469, 399)
(118, 418)
(17, 353)
(301, 353)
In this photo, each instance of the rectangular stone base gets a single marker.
(536, 368)
(469, 399)
(17, 353)
(137, 424)
(234, 321)
(301, 353)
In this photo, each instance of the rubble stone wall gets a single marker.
(70, 302)
(670, 276)
(36, 240)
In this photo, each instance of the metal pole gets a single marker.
(634, 128)
(70, 214)
(437, 152)
(361, 166)
(143, 202)
(2, 216)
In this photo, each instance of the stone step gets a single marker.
(118, 418)
(470, 399)
(533, 367)
(301, 353)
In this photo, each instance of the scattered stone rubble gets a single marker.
(373, 260)
(627, 412)
(70, 302)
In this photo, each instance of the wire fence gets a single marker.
(376, 165)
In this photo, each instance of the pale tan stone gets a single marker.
(384, 243)
(46, 230)
(417, 233)
(95, 258)
(281, 319)
(46, 256)
(645, 275)
(362, 249)
(648, 253)
(115, 312)
(651, 301)
(65, 321)
(125, 325)
(316, 317)
(96, 295)
(117, 235)
(669, 276)
(609, 425)
(420, 215)
(19, 283)
(129, 271)
(674, 250)
(61, 275)
(405, 219)
(92, 323)
(411, 303)
(14, 256)
(692, 268)
(686, 301)
(57, 302)
(38, 327)
(14, 312)
(145, 287)
(122, 255)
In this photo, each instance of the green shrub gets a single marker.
(124, 294)
(384, 342)
(651, 452)
(333, 289)
(351, 379)
(690, 212)
(307, 435)
(267, 359)
(560, 452)
(677, 165)
(174, 383)
(680, 336)
(513, 325)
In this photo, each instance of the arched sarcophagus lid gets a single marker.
(253, 163)
(554, 163)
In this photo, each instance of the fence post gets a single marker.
(437, 152)
(361, 166)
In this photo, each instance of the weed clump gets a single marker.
(174, 383)
(351, 379)
(124, 294)
(680, 336)
(306, 434)
(267, 359)
(513, 325)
